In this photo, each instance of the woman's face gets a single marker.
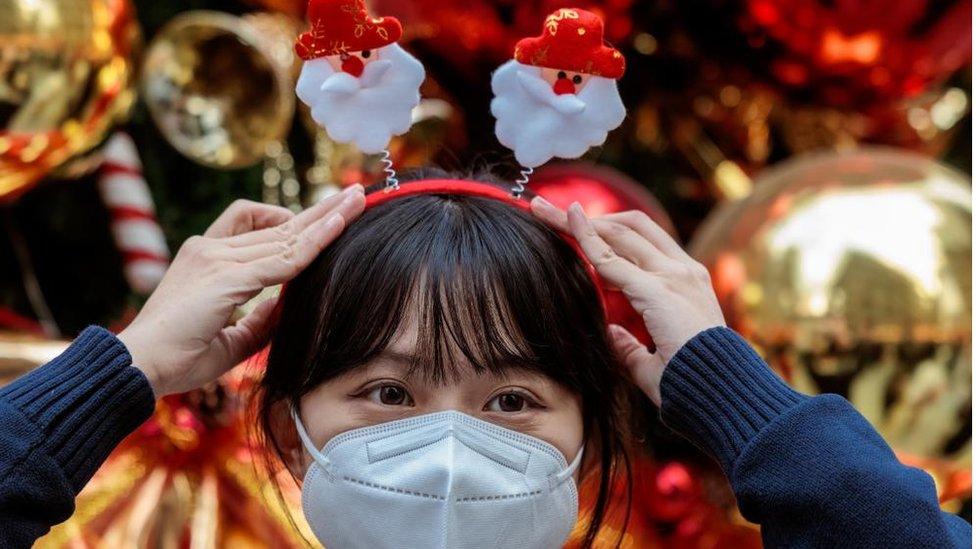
(385, 390)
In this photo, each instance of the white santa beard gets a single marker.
(370, 110)
(540, 124)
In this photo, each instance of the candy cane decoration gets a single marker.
(145, 255)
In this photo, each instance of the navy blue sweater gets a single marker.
(810, 470)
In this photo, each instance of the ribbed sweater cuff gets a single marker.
(84, 402)
(719, 393)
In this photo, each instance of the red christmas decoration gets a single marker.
(342, 26)
(192, 475)
(861, 53)
(140, 239)
(674, 504)
(469, 33)
(676, 489)
(572, 40)
(294, 8)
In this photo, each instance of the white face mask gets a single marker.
(442, 480)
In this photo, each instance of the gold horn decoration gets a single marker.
(221, 87)
(851, 272)
(66, 74)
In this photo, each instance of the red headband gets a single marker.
(484, 190)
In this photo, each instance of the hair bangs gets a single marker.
(438, 271)
(465, 313)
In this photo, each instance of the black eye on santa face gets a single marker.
(562, 74)
(366, 54)
(577, 80)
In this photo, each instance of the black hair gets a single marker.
(486, 280)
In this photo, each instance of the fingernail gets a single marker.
(543, 202)
(350, 198)
(581, 214)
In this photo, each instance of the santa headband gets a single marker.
(556, 98)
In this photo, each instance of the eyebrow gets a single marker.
(411, 361)
(397, 356)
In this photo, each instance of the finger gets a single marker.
(643, 225)
(615, 269)
(549, 214)
(639, 222)
(645, 368)
(622, 238)
(297, 224)
(236, 343)
(632, 246)
(348, 210)
(244, 216)
(282, 267)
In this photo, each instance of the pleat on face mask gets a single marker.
(442, 480)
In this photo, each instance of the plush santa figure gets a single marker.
(360, 84)
(559, 96)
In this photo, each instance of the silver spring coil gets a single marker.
(392, 183)
(521, 182)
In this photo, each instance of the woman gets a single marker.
(453, 346)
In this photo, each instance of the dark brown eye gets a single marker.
(577, 79)
(511, 402)
(562, 74)
(393, 395)
(366, 54)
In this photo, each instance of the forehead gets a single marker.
(457, 354)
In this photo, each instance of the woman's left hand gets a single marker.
(672, 292)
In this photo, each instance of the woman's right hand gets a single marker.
(180, 339)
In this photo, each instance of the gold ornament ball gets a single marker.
(66, 73)
(851, 273)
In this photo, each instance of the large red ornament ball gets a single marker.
(602, 190)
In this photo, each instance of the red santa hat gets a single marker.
(342, 26)
(572, 40)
